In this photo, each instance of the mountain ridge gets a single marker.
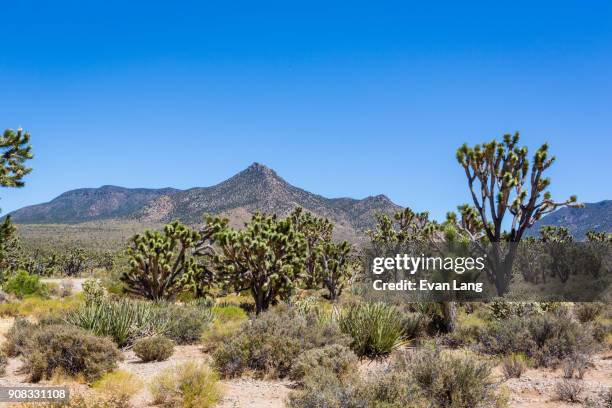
(258, 188)
(594, 216)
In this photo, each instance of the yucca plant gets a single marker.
(376, 329)
(124, 321)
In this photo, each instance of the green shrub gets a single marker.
(334, 357)
(187, 323)
(324, 389)
(187, 386)
(69, 349)
(157, 348)
(588, 311)
(376, 329)
(23, 284)
(449, 380)
(270, 343)
(547, 339)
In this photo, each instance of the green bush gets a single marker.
(452, 381)
(72, 350)
(324, 389)
(547, 339)
(187, 323)
(157, 348)
(23, 284)
(270, 343)
(334, 357)
(187, 386)
(376, 329)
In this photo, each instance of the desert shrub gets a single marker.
(124, 321)
(376, 329)
(514, 366)
(412, 325)
(270, 343)
(23, 284)
(334, 357)
(227, 320)
(18, 335)
(187, 386)
(188, 322)
(3, 362)
(428, 379)
(447, 380)
(547, 339)
(568, 390)
(324, 389)
(70, 349)
(157, 348)
(118, 386)
(588, 311)
(576, 365)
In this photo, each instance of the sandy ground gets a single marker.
(77, 283)
(535, 389)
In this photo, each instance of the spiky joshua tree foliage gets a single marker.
(504, 182)
(15, 150)
(265, 258)
(334, 266)
(317, 232)
(161, 262)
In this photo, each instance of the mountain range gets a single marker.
(257, 188)
(594, 216)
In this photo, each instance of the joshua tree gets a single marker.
(74, 261)
(317, 232)
(202, 279)
(334, 265)
(266, 258)
(594, 236)
(15, 150)
(161, 261)
(502, 181)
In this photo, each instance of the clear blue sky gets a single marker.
(341, 98)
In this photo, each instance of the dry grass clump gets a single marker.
(569, 390)
(190, 385)
(514, 365)
(118, 386)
